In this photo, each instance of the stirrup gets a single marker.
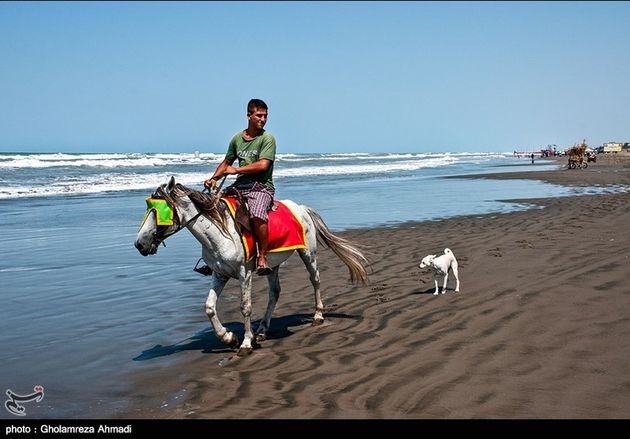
(204, 270)
(264, 271)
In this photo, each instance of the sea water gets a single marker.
(81, 307)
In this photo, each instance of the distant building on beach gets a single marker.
(613, 147)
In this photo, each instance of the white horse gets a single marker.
(210, 222)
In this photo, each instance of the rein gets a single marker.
(168, 221)
(181, 226)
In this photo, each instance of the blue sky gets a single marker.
(337, 76)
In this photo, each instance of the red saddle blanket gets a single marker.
(286, 232)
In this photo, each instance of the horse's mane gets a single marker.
(207, 204)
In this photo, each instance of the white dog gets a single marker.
(440, 266)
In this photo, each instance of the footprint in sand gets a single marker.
(496, 252)
(524, 243)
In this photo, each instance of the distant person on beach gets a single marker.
(255, 149)
(532, 156)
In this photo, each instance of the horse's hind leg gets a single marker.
(227, 337)
(274, 294)
(310, 260)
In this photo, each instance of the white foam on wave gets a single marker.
(91, 182)
(101, 183)
(105, 160)
(129, 160)
(388, 156)
(133, 181)
(372, 168)
(17, 269)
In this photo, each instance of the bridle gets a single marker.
(162, 232)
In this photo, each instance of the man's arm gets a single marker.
(221, 170)
(257, 167)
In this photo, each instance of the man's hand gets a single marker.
(210, 184)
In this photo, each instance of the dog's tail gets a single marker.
(447, 251)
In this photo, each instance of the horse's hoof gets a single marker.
(436, 293)
(318, 321)
(261, 337)
(242, 352)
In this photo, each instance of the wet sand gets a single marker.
(539, 329)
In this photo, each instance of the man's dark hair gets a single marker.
(256, 103)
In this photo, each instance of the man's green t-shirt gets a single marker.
(263, 146)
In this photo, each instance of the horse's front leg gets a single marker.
(274, 294)
(227, 337)
(246, 310)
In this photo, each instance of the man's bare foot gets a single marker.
(262, 268)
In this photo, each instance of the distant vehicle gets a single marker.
(576, 156)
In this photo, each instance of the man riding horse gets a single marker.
(255, 149)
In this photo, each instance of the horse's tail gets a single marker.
(348, 253)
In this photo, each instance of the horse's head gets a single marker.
(173, 207)
(160, 220)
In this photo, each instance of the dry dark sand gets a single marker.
(540, 329)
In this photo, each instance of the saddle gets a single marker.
(241, 214)
(286, 232)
